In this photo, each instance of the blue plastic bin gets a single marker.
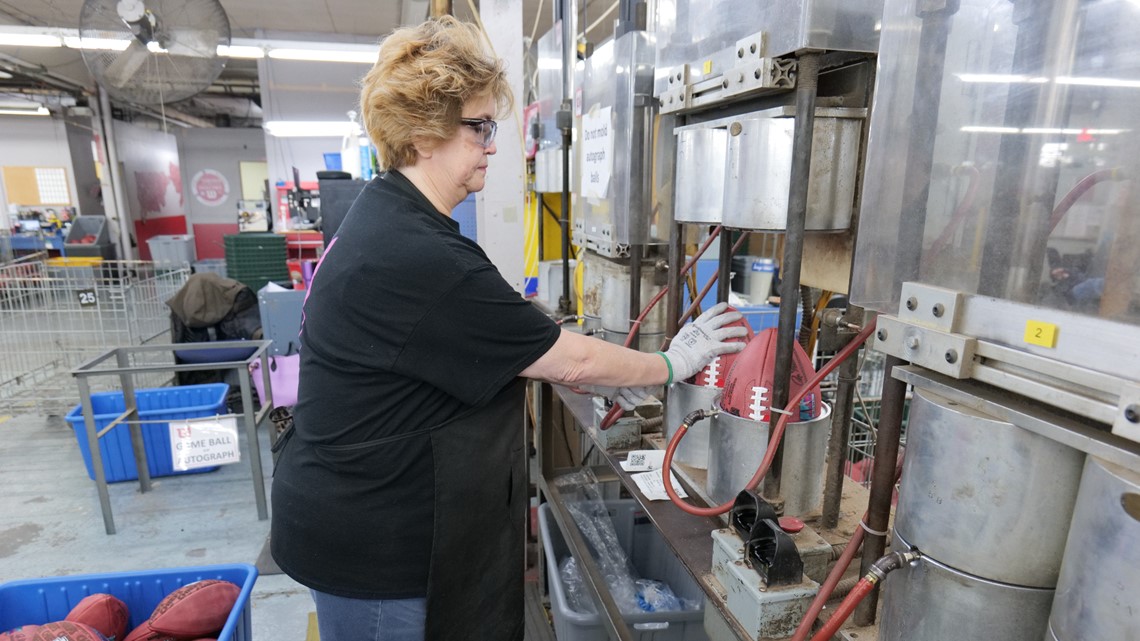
(171, 403)
(40, 601)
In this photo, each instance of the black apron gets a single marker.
(475, 583)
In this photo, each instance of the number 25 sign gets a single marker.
(87, 297)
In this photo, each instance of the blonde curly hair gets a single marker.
(418, 86)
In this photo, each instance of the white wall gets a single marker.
(220, 150)
(33, 141)
(306, 91)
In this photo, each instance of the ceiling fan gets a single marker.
(154, 51)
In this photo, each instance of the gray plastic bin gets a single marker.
(281, 319)
(215, 265)
(88, 226)
(652, 559)
(172, 251)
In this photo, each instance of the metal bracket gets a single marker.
(679, 93)
(1127, 423)
(943, 352)
(934, 307)
(578, 234)
(751, 73)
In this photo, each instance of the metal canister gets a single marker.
(1100, 574)
(984, 496)
(683, 399)
(737, 445)
(805, 464)
(930, 601)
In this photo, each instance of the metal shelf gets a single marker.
(687, 535)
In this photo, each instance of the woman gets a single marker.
(399, 497)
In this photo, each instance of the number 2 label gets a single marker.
(1041, 333)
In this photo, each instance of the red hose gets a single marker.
(836, 574)
(705, 290)
(1078, 190)
(960, 211)
(862, 589)
(777, 434)
(829, 584)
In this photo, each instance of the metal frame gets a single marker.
(126, 372)
(977, 337)
(687, 536)
(1027, 414)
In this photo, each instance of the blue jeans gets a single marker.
(343, 619)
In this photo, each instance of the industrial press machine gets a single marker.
(961, 169)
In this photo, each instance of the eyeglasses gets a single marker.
(485, 127)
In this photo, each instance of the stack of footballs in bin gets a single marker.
(195, 612)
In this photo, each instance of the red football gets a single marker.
(66, 631)
(715, 373)
(144, 633)
(103, 612)
(22, 633)
(748, 388)
(196, 610)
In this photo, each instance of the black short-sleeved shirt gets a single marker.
(407, 325)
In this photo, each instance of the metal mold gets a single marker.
(683, 399)
(1096, 593)
(984, 496)
(700, 155)
(758, 172)
(737, 445)
(930, 601)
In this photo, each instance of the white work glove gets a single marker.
(627, 397)
(702, 340)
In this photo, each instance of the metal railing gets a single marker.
(56, 313)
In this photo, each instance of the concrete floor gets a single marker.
(51, 523)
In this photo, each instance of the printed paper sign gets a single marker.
(653, 487)
(642, 460)
(597, 152)
(204, 443)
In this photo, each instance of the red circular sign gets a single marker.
(210, 187)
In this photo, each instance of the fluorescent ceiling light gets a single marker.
(30, 40)
(990, 130)
(241, 51)
(39, 111)
(1068, 131)
(1005, 78)
(1098, 82)
(1000, 78)
(23, 36)
(325, 55)
(97, 44)
(312, 129)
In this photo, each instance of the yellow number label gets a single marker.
(707, 67)
(1039, 333)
